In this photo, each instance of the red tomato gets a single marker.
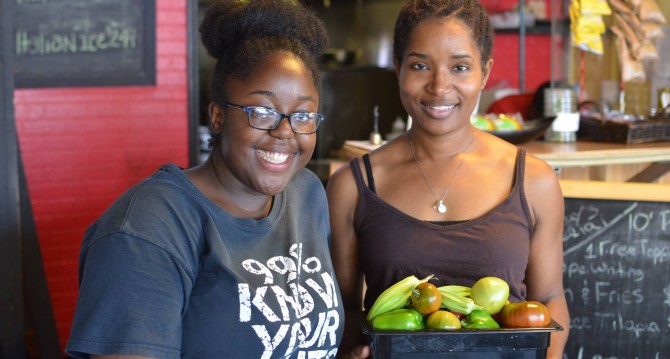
(459, 315)
(443, 319)
(525, 314)
(426, 298)
(498, 316)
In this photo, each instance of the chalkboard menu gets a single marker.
(617, 278)
(84, 42)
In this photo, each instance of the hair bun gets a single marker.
(228, 23)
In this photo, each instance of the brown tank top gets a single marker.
(394, 245)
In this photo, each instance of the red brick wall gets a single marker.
(82, 147)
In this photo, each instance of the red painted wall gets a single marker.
(506, 61)
(82, 147)
(537, 49)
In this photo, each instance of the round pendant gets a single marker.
(441, 207)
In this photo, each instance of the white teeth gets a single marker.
(273, 157)
(441, 108)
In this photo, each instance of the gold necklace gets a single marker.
(439, 203)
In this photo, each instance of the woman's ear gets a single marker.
(215, 118)
(486, 72)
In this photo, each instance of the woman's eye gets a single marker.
(419, 66)
(461, 68)
(301, 116)
(263, 113)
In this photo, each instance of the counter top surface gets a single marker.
(580, 153)
(585, 153)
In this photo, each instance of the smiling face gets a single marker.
(441, 74)
(264, 161)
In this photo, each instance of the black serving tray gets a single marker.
(503, 343)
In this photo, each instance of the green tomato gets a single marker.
(443, 319)
(491, 293)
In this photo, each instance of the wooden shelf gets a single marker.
(615, 190)
(586, 153)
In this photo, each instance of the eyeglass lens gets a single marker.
(267, 119)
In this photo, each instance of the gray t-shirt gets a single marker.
(166, 273)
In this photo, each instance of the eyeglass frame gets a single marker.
(248, 110)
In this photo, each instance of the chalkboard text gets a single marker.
(113, 37)
(68, 43)
(616, 278)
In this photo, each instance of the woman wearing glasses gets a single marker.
(229, 259)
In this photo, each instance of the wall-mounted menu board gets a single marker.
(616, 269)
(64, 43)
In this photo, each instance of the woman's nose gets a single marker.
(283, 129)
(440, 83)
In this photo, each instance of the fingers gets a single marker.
(360, 352)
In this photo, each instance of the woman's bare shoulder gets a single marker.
(542, 188)
(342, 177)
(540, 172)
(390, 154)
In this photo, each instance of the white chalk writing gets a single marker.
(112, 37)
(616, 280)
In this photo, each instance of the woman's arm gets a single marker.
(342, 198)
(544, 275)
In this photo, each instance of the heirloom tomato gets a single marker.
(426, 298)
(459, 315)
(443, 319)
(491, 293)
(527, 314)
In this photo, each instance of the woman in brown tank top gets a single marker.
(445, 198)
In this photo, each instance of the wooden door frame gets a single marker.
(25, 304)
(192, 43)
(11, 293)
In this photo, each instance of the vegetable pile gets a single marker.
(414, 304)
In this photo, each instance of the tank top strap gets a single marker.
(368, 171)
(356, 171)
(358, 175)
(520, 167)
(519, 185)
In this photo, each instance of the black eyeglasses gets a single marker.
(264, 118)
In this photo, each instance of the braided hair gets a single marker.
(470, 12)
(241, 34)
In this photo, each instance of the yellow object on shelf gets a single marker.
(506, 123)
(482, 123)
(587, 24)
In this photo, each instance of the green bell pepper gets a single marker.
(399, 319)
(479, 319)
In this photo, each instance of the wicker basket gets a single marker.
(637, 131)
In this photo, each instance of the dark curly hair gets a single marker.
(470, 12)
(241, 34)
